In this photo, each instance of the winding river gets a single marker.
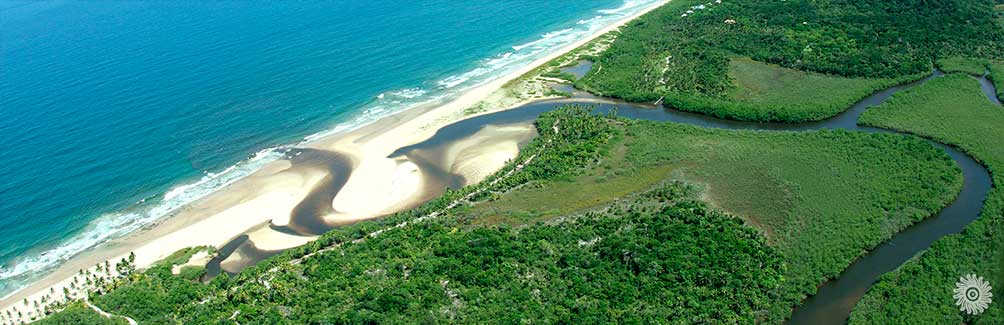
(834, 299)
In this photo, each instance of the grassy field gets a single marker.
(976, 67)
(871, 186)
(952, 110)
(771, 93)
(767, 92)
(613, 178)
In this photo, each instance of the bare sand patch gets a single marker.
(199, 259)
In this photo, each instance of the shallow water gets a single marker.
(579, 69)
(988, 89)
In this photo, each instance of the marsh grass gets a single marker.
(768, 92)
(796, 188)
(973, 66)
(801, 188)
(611, 179)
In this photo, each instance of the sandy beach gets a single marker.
(282, 205)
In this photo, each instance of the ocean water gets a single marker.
(113, 114)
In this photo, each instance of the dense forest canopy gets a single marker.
(683, 49)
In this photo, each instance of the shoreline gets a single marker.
(376, 185)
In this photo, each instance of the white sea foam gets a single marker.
(588, 21)
(408, 93)
(115, 225)
(628, 7)
(554, 34)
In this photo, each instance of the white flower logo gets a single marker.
(972, 294)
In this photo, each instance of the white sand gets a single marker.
(270, 240)
(485, 152)
(377, 186)
(235, 261)
(199, 259)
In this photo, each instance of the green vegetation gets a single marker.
(772, 179)
(655, 257)
(78, 313)
(952, 110)
(976, 67)
(686, 59)
(146, 296)
(511, 250)
(182, 256)
(559, 75)
(766, 93)
(997, 76)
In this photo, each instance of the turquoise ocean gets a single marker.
(114, 114)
